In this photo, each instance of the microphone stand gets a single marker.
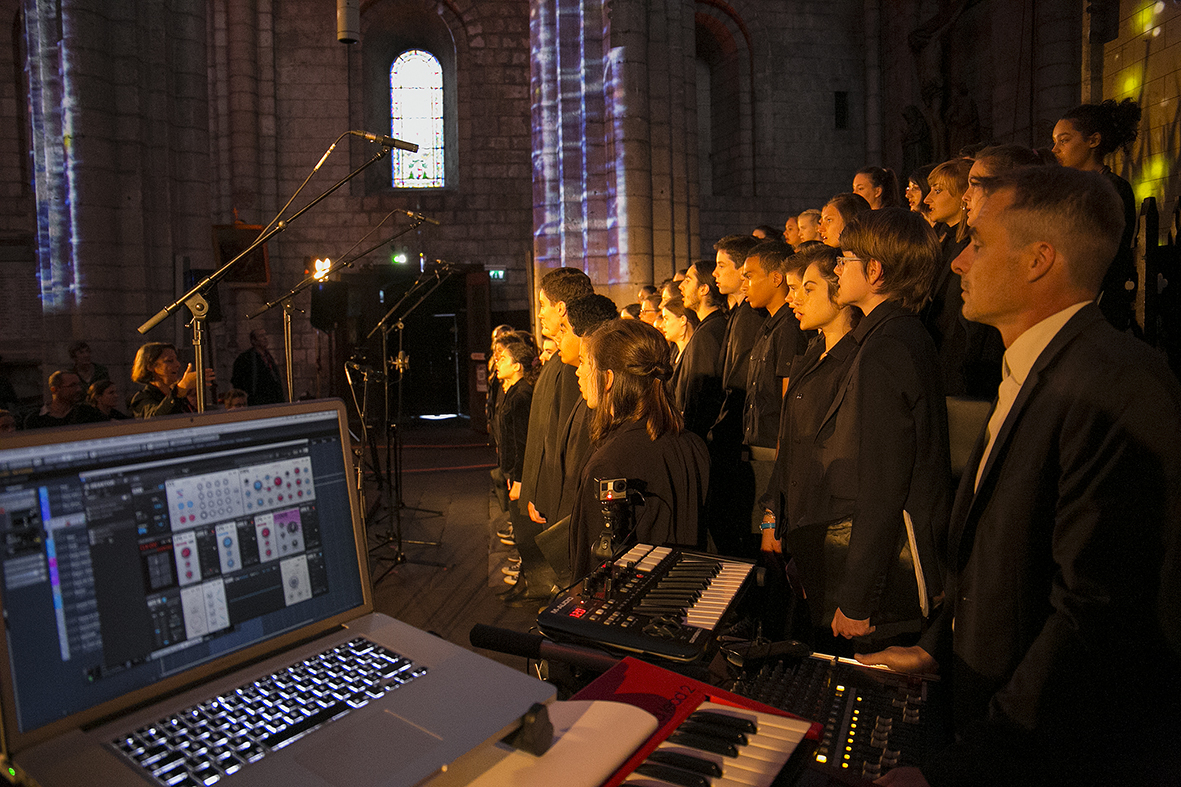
(286, 301)
(393, 537)
(199, 308)
(365, 374)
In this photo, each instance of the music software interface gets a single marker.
(118, 573)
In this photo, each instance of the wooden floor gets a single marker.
(446, 589)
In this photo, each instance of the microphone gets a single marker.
(420, 217)
(389, 142)
(533, 646)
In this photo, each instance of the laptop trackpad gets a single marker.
(374, 753)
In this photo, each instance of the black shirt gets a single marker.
(742, 328)
(776, 344)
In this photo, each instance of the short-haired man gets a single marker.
(554, 395)
(582, 317)
(732, 487)
(1060, 633)
(697, 381)
(65, 394)
(888, 454)
(777, 343)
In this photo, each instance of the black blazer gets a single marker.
(1063, 597)
(697, 376)
(883, 447)
(554, 395)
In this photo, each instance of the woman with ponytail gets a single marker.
(1083, 139)
(637, 435)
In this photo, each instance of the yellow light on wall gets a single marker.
(1131, 83)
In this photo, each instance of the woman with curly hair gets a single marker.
(637, 435)
(166, 388)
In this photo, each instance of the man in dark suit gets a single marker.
(256, 372)
(1060, 629)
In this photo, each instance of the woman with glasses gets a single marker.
(882, 450)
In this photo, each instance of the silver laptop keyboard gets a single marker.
(218, 737)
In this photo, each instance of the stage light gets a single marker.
(398, 258)
(321, 270)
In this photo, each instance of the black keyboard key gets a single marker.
(725, 720)
(672, 775)
(685, 762)
(704, 743)
(281, 738)
(727, 734)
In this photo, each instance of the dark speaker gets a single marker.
(330, 301)
(192, 277)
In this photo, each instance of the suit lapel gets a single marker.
(968, 503)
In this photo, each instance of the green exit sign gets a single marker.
(496, 274)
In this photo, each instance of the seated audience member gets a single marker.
(1063, 578)
(837, 213)
(87, 370)
(630, 312)
(1083, 139)
(677, 324)
(878, 186)
(885, 454)
(235, 399)
(697, 382)
(166, 389)
(65, 396)
(104, 397)
(7, 422)
(650, 309)
(636, 436)
(791, 231)
(257, 373)
(765, 232)
(809, 224)
(941, 314)
(917, 189)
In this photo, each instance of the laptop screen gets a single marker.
(136, 551)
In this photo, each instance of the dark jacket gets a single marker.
(1064, 580)
(512, 416)
(742, 327)
(672, 472)
(884, 447)
(554, 395)
(151, 402)
(796, 492)
(697, 377)
(259, 379)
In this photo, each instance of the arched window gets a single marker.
(416, 115)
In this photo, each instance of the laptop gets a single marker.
(154, 572)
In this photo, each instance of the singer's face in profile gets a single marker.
(586, 382)
(550, 315)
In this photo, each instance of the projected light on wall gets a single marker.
(50, 104)
(416, 108)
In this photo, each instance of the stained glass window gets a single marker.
(416, 109)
